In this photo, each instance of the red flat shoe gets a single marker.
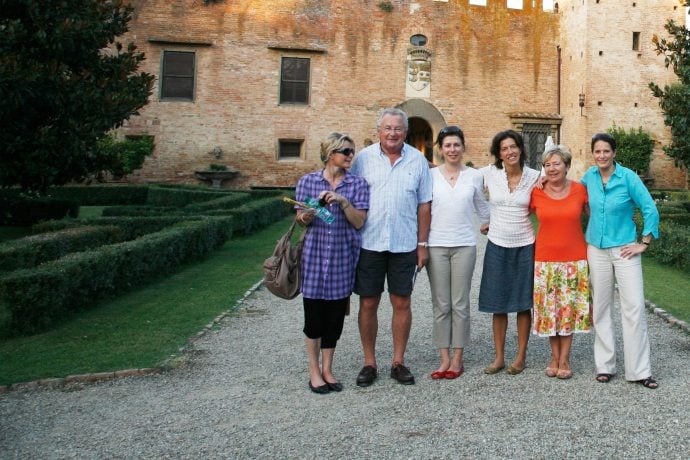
(454, 375)
(437, 375)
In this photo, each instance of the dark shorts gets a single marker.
(376, 267)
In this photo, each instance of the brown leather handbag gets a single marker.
(282, 269)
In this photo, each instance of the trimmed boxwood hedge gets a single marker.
(258, 214)
(226, 201)
(133, 227)
(33, 250)
(101, 195)
(230, 201)
(679, 218)
(23, 211)
(38, 298)
(179, 197)
(672, 246)
(143, 210)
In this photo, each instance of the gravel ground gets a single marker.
(243, 394)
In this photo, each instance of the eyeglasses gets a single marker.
(396, 130)
(450, 130)
(347, 151)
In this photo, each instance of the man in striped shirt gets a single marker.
(394, 238)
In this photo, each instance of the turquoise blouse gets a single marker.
(611, 208)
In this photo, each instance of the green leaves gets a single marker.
(633, 148)
(674, 99)
(65, 82)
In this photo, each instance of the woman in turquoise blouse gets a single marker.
(614, 257)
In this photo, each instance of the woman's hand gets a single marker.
(631, 250)
(332, 197)
(305, 217)
(484, 229)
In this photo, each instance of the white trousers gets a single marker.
(606, 269)
(450, 277)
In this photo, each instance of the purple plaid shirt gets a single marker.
(331, 251)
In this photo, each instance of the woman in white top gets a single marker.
(508, 274)
(458, 195)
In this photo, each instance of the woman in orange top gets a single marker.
(561, 275)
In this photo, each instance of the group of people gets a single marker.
(394, 215)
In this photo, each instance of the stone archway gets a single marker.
(425, 122)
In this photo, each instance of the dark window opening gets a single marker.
(636, 41)
(294, 81)
(177, 81)
(289, 148)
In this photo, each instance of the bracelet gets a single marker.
(645, 243)
(348, 205)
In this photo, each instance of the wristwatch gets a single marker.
(423, 244)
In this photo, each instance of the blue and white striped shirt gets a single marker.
(396, 191)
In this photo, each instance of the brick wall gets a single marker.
(486, 63)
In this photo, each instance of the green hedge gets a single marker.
(679, 218)
(133, 227)
(259, 213)
(178, 197)
(230, 201)
(143, 210)
(670, 195)
(672, 246)
(33, 250)
(38, 298)
(101, 195)
(226, 201)
(24, 211)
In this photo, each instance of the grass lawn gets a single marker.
(144, 327)
(667, 287)
(90, 212)
(12, 233)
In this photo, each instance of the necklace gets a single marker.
(450, 175)
(513, 181)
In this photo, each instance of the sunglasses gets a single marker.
(347, 152)
(450, 130)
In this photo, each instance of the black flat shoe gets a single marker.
(322, 390)
(337, 386)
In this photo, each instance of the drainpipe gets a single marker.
(558, 92)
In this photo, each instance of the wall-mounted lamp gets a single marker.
(581, 101)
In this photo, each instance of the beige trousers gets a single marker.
(606, 269)
(450, 277)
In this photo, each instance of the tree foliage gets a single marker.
(674, 99)
(123, 157)
(64, 83)
(634, 148)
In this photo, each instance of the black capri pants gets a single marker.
(324, 319)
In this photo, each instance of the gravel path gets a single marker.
(243, 394)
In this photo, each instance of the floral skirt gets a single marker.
(561, 298)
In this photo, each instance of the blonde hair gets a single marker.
(560, 150)
(334, 141)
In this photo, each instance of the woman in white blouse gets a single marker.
(508, 274)
(458, 195)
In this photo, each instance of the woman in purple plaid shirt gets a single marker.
(330, 254)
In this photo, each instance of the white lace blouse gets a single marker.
(510, 225)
